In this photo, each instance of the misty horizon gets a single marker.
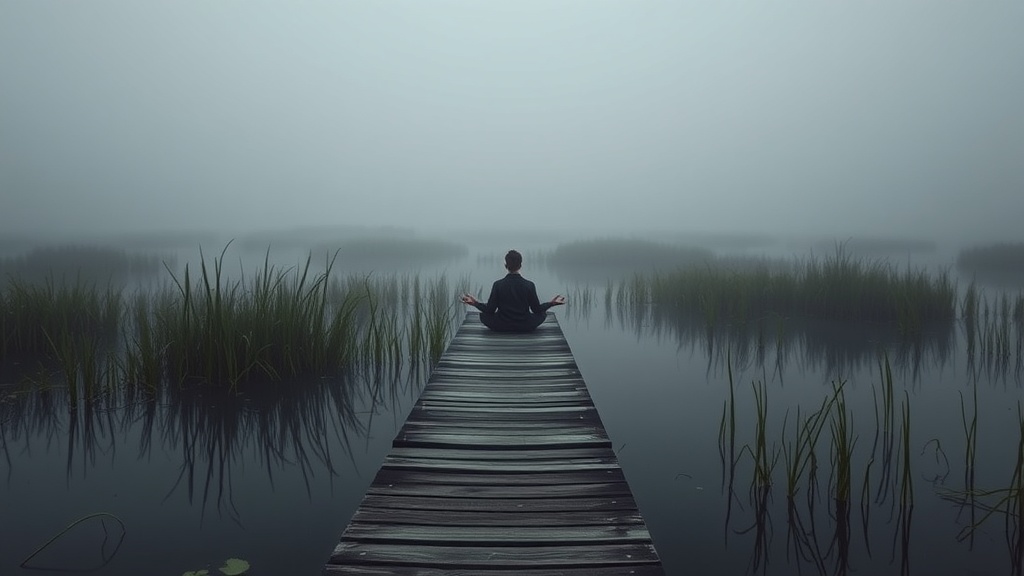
(893, 120)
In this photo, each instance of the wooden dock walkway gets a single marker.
(503, 467)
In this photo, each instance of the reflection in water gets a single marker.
(994, 341)
(212, 430)
(818, 540)
(209, 446)
(851, 505)
(109, 546)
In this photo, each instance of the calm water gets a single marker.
(274, 477)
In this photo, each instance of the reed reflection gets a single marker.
(311, 427)
(817, 454)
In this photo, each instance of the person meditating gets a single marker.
(513, 305)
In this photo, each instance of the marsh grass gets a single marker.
(843, 443)
(849, 473)
(799, 452)
(835, 288)
(35, 317)
(279, 324)
(275, 325)
(970, 427)
(993, 331)
(764, 457)
(1007, 501)
(883, 447)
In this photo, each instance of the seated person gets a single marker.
(513, 305)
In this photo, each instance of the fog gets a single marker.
(898, 119)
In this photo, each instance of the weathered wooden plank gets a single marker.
(524, 428)
(478, 399)
(486, 411)
(467, 345)
(429, 440)
(492, 518)
(467, 414)
(384, 570)
(554, 491)
(524, 506)
(394, 477)
(514, 455)
(497, 405)
(540, 419)
(507, 371)
(500, 389)
(508, 427)
(485, 557)
(489, 395)
(500, 466)
(503, 379)
(494, 536)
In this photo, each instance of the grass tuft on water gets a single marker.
(275, 325)
(835, 288)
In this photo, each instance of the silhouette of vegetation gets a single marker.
(1001, 263)
(69, 263)
(384, 253)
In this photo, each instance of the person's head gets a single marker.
(513, 261)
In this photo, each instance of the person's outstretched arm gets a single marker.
(536, 305)
(489, 307)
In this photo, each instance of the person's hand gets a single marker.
(468, 299)
(558, 300)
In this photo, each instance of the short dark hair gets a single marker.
(513, 260)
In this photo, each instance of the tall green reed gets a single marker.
(279, 324)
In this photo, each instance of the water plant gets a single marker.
(204, 329)
(276, 325)
(837, 287)
(799, 452)
(35, 316)
(104, 556)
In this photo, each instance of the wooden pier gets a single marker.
(503, 467)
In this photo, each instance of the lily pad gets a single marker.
(234, 567)
(196, 573)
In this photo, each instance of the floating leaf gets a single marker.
(234, 567)
(196, 573)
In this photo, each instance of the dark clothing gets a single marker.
(513, 306)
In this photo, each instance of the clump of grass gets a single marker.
(275, 325)
(278, 324)
(35, 318)
(799, 453)
(1008, 501)
(836, 288)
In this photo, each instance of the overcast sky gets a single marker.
(891, 117)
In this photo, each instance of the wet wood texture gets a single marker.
(502, 467)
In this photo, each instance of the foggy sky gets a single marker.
(888, 117)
